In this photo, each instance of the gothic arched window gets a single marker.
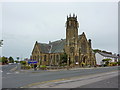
(57, 58)
(69, 23)
(45, 57)
(38, 58)
(83, 47)
(71, 49)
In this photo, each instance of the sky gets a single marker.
(24, 23)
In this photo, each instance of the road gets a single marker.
(22, 79)
(107, 83)
(102, 80)
(10, 69)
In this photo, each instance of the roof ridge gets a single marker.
(58, 40)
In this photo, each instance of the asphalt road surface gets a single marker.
(107, 83)
(9, 69)
(102, 80)
(19, 79)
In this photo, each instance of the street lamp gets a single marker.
(79, 56)
(68, 63)
(1, 43)
(68, 55)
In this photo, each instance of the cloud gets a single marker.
(25, 23)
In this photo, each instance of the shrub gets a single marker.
(23, 62)
(16, 61)
(107, 61)
(25, 67)
(43, 67)
(113, 63)
(32, 65)
(118, 62)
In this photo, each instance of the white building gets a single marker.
(101, 55)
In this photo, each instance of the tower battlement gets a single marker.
(72, 21)
(72, 17)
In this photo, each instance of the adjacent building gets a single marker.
(104, 55)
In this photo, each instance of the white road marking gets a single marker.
(17, 72)
(8, 73)
(1, 71)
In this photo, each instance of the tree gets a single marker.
(11, 60)
(16, 61)
(106, 61)
(96, 50)
(18, 58)
(23, 62)
(63, 58)
(0, 59)
(4, 60)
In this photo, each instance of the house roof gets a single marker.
(107, 55)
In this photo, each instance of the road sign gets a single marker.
(32, 62)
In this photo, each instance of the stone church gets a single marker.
(77, 48)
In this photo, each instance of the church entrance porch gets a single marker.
(83, 61)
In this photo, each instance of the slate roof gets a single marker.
(107, 55)
(53, 47)
(80, 36)
(44, 48)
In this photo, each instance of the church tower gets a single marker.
(71, 37)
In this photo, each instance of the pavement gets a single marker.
(53, 70)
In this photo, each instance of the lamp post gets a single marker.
(1, 43)
(68, 62)
(79, 56)
(68, 56)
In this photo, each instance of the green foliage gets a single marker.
(113, 63)
(43, 67)
(11, 60)
(4, 60)
(23, 62)
(63, 64)
(118, 62)
(63, 58)
(106, 61)
(16, 61)
(0, 59)
(18, 58)
(25, 67)
(96, 50)
(32, 65)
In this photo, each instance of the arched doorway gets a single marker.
(84, 60)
